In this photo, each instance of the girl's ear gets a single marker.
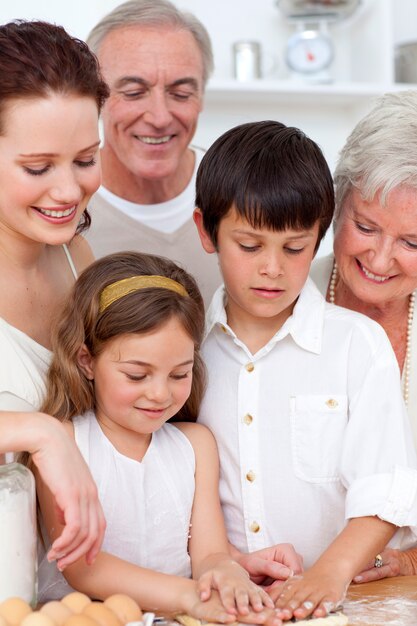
(86, 362)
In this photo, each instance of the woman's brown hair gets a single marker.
(38, 59)
(69, 392)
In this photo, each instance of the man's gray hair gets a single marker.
(154, 13)
(381, 151)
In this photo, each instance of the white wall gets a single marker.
(227, 21)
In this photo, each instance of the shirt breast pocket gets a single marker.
(318, 423)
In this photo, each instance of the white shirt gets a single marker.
(321, 270)
(147, 504)
(166, 216)
(312, 429)
(24, 365)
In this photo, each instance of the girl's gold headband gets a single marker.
(121, 288)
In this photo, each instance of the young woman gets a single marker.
(51, 92)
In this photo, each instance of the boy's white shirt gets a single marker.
(312, 430)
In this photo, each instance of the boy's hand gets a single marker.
(315, 593)
(237, 592)
(274, 563)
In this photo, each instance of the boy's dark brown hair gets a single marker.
(273, 175)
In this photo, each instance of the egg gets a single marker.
(76, 601)
(13, 610)
(37, 619)
(57, 611)
(126, 609)
(78, 619)
(102, 614)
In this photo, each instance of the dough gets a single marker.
(335, 619)
(187, 620)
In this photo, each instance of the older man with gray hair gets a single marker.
(156, 60)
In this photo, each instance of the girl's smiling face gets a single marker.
(49, 165)
(140, 382)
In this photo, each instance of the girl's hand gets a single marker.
(237, 592)
(317, 593)
(213, 610)
(66, 475)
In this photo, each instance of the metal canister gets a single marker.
(246, 60)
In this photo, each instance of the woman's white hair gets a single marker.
(154, 13)
(381, 151)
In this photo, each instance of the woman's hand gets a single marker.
(315, 593)
(65, 473)
(238, 594)
(274, 563)
(394, 563)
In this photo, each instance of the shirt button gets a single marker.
(250, 476)
(250, 367)
(332, 403)
(224, 329)
(254, 527)
(248, 419)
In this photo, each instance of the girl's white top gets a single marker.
(147, 504)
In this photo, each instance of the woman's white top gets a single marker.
(147, 504)
(24, 364)
(321, 272)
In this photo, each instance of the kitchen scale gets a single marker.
(310, 51)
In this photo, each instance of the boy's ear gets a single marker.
(86, 362)
(206, 242)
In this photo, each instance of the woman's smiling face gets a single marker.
(376, 246)
(49, 165)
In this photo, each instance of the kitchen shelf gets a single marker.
(264, 91)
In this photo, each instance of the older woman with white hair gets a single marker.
(374, 266)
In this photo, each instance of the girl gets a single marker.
(126, 361)
(51, 93)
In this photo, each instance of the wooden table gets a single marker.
(388, 602)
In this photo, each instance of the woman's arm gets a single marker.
(323, 587)
(61, 466)
(212, 563)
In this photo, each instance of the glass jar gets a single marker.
(18, 557)
(246, 60)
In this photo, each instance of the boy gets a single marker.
(303, 397)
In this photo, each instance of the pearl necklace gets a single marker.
(407, 362)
